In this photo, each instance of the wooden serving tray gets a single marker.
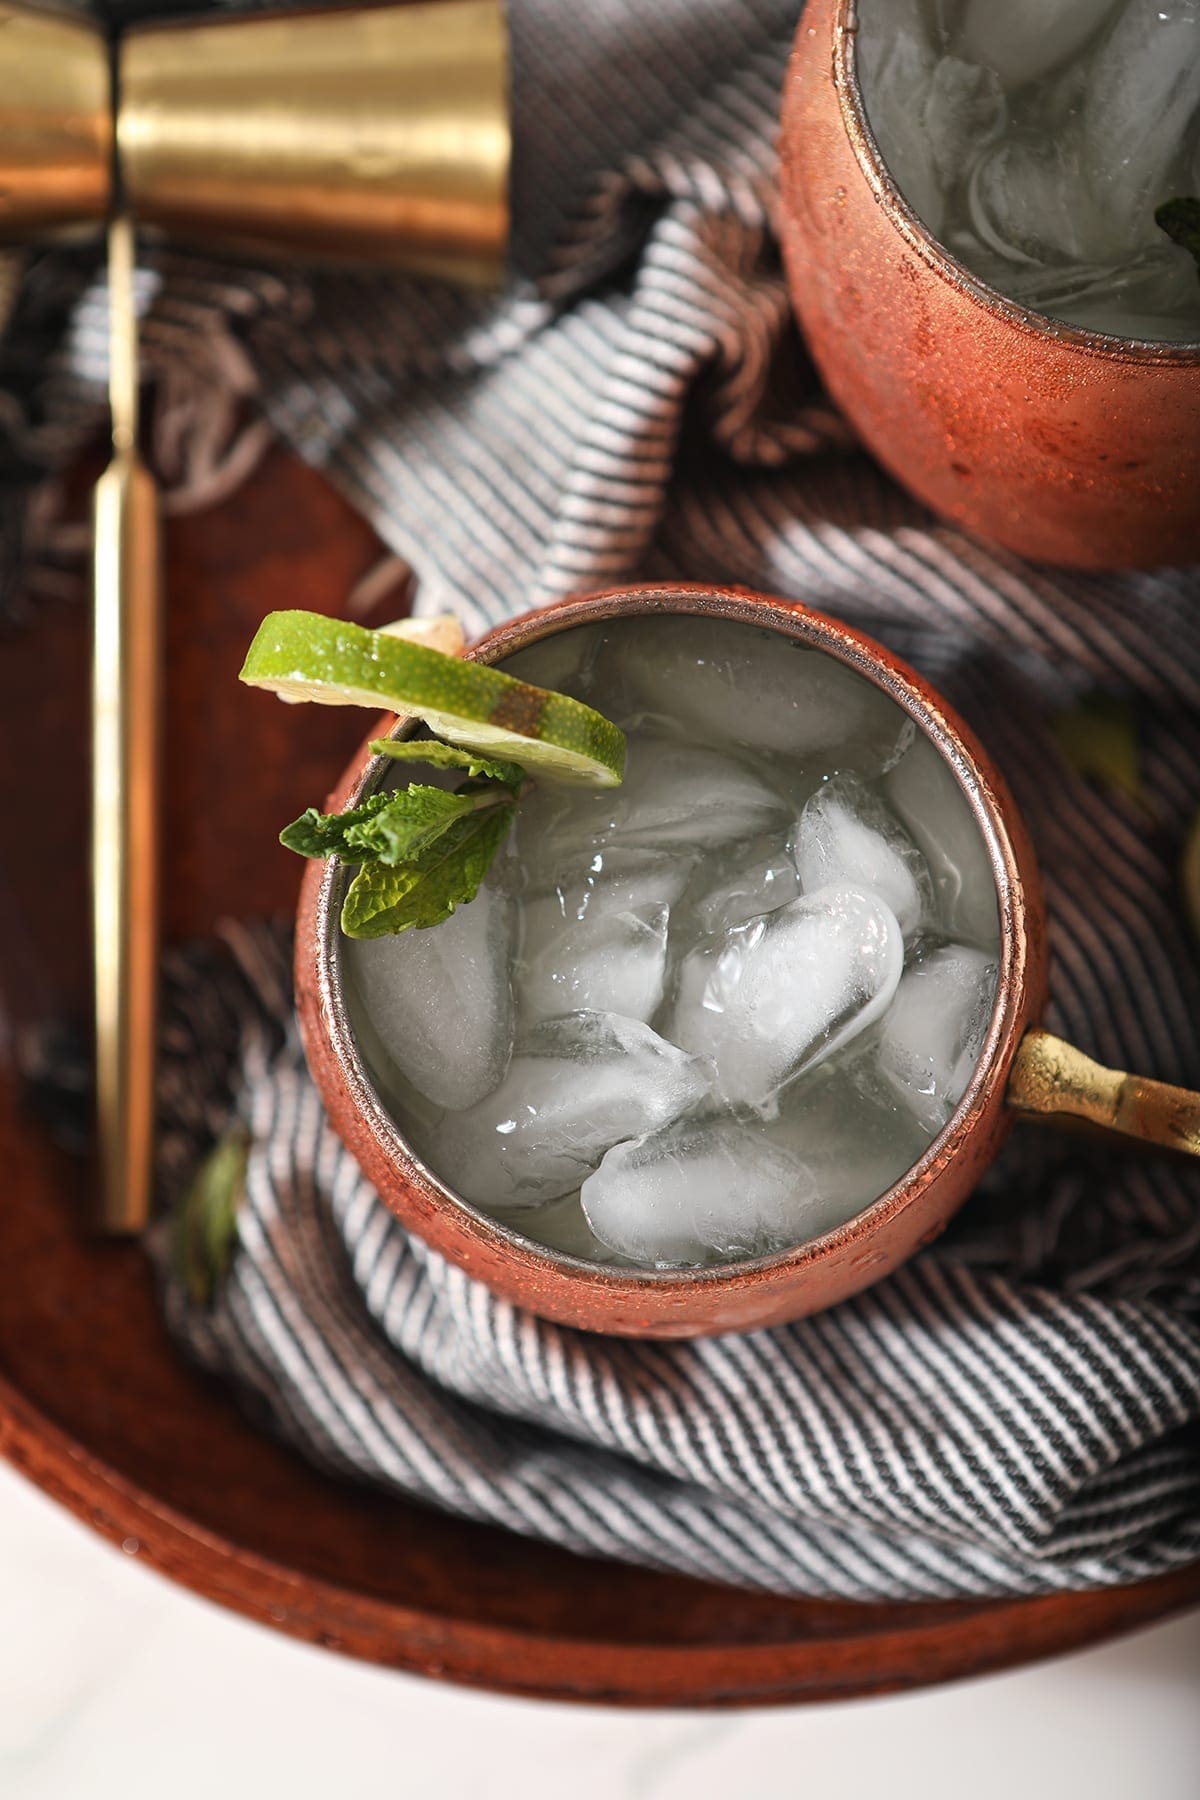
(100, 1411)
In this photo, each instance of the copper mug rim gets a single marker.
(936, 254)
(764, 1289)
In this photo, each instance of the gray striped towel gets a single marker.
(1016, 1411)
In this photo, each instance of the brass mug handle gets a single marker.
(1052, 1079)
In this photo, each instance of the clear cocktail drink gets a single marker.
(1037, 139)
(719, 1009)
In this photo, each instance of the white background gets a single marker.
(115, 1685)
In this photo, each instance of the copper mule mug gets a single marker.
(1021, 1069)
(1065, 445)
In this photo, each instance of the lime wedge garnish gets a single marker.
(306, 656)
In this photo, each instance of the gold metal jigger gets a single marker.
(56, 123)
(378, 133)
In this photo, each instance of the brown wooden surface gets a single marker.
(95, 1405)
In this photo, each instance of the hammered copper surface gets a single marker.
(738, 1296)
(1061, 444)
(97, 1407)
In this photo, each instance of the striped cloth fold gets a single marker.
(955, 1431)
(1017, 1410)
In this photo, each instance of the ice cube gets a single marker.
(931, 1037)
(1156, 282)
(564, 662)
(413, 1111)
(560, 1225)
(686, 795)
(676, 799)
(696, 1191)
(777, 995)
(1024, 39)
(924, 792)
(1027, 200)
(1117, 320)
(845, 834)
(1155, 295)
(744, 884)
(589, 881)
(964, 109)
(897, 53)
(440, 1001)
(857, 1144)
(575, 1086)
(625, 881)
(732, 684)
(1143, 88)
(613, 961)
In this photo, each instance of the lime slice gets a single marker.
(306, 656)
(443, 632)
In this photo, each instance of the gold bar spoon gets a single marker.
(125, 729)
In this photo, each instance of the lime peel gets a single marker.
(307, 656)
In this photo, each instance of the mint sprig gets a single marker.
(1180, 219)
(204, 1232)
(318, 834)
(391, 828)
(383, 899)
(421, 850)
(449, 756)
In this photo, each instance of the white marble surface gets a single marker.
(115, 1685)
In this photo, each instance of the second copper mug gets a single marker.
(1021, 1069)
(1065, 445)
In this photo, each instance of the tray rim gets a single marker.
(916, 1653)
(305, 541)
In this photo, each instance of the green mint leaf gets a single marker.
(1180, 219)
(393, 828)
(324, 834)
(1098, 738)
(205, 1225)
(448, 756)
(416, 818)
(382, 900)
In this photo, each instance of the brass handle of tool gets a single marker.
(124, 835)
(126, 676)
(1053, 1080)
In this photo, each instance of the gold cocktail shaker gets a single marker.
(375, 132)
